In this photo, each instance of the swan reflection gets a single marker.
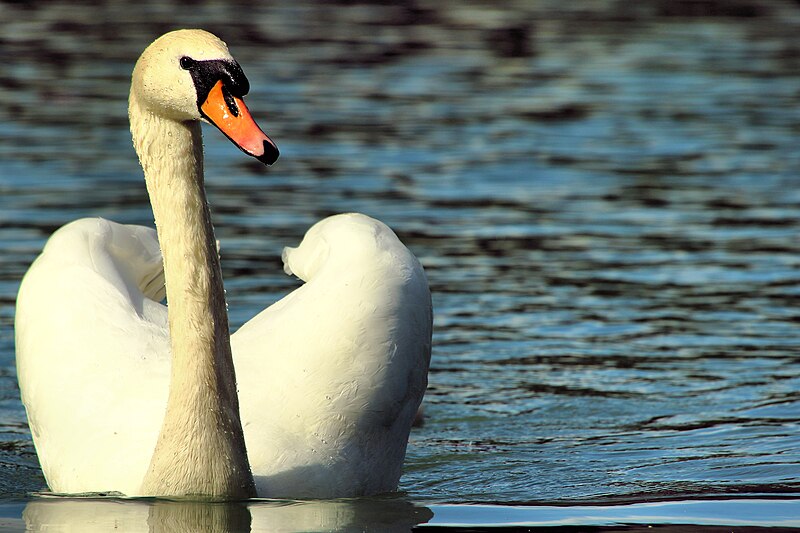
(165, 516)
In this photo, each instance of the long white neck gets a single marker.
(200, 450)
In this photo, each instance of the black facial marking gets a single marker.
(206, 74)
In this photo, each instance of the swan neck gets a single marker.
(202, 421)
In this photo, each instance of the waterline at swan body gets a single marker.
(312, 398)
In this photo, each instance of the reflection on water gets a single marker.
(159, 516)
(605, 196)
(65, 515)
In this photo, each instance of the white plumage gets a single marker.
(329, 378)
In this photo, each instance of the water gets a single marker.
(605, 196)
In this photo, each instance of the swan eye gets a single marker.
(187, 62)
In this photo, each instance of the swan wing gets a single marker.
(93, 355)
(331, 375)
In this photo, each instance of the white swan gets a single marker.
(126, 395)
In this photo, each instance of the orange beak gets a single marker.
(231, 116)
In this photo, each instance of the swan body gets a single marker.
(312, 398)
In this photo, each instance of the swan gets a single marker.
(314, 397)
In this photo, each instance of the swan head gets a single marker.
(189, 75)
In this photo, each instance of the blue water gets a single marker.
(605, 197)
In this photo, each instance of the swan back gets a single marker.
(330, 377)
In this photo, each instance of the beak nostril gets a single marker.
(230, 101)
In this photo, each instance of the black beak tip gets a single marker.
(270, 154)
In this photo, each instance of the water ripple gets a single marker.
(604, 195)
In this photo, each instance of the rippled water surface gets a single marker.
(605, 196)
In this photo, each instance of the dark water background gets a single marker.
(605, 196)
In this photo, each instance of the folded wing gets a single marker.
(93, 355)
